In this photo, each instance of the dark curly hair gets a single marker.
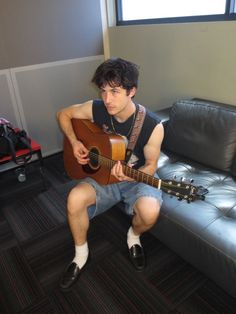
(116, 72)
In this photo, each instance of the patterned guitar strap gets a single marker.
(135, 131)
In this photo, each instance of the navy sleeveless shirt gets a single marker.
(109, 124)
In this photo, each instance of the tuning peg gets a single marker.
(180, 198)
(182, 179)
(191, 180)
(174, 177)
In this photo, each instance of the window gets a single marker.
(163, 11)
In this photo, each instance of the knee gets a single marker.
(148, 211)
(73, 200)
(78, 200)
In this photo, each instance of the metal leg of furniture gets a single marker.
(41, 168)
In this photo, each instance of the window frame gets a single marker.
(229, 15)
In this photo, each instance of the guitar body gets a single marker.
(102, 144)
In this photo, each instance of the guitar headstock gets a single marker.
(183, 190)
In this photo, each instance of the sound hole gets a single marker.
(94, 158)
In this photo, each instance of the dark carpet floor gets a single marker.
(36, 245)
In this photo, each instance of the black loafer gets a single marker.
(71, 275)
(137, 257)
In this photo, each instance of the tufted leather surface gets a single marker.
(202, 232)
(219, 204)
(203, 131)
(233, 168)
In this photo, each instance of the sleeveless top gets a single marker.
(110, 125)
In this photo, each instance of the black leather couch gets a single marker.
(200, 144)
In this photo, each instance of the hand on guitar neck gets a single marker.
(117, 171)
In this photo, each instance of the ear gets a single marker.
(132, 92)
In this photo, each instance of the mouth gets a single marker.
(110, 108)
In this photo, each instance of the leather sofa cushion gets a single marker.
(233, 168)
(203, 131)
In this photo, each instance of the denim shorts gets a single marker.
(111, 194)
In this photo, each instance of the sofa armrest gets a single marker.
(164, 114)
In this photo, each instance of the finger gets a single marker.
(82, 161)
(115, 172)
(130, 165)
(82, 158)
(119, 169)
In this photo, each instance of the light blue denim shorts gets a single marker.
(111, 194)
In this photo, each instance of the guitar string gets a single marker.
(111, 162)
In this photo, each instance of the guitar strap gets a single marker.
(135, 131)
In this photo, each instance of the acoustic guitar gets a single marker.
(104, 150)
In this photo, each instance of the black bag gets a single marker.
(12, 140)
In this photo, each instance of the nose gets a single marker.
(106, 97)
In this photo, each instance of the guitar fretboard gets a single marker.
(135, 174)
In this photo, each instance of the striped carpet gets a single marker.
(36, 245)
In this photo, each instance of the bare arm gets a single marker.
(80, 111)
(64, 116)
(152, 150)
(151, 153)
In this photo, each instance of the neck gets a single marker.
(126, 112)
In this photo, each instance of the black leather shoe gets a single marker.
(71, 275)
(137, 257)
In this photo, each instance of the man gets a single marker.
(117, 80)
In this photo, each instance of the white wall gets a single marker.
(180, 60)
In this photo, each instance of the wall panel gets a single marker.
(49, 50)
(8, 106)
(41, 90)
(40, 31)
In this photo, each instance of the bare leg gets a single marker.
(146, 213)
(147, 210)
(80, 198)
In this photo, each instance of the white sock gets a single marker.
(81, 254)
(132, 238)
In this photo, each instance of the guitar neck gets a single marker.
(179, 189)
(140, 176)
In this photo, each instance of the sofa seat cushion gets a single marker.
(233, 168)
(204, 132)
(221, 185)
(210, 218)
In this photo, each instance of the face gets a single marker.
(117, 99)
